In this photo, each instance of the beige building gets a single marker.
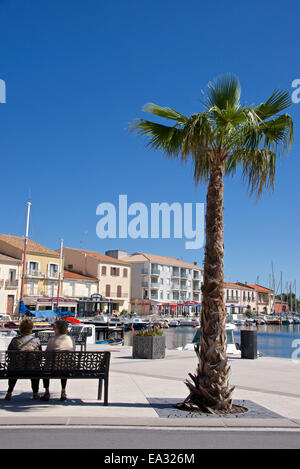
(242, 297)
(10, 269)
(113, 275)
(41, 271)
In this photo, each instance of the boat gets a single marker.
(97, 320)
(137, 324)
(6, 335)
(189, 323)
(274, 321)
(174, 323)
(109, 342)
(232, 347)
(286, 321)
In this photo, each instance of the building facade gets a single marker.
(114, 275)
(79, 286)
(163, 283)
(10, 269)
(41, 271)
(245, 297)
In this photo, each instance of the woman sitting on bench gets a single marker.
(26, 341)
(61, 342)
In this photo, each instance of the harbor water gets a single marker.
(272, 341)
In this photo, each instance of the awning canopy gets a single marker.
(42, 314)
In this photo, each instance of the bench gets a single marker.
(57, 365)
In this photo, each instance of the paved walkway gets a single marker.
(271, 383)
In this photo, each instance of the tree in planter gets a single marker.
(222, 138)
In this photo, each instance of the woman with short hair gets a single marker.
(24, 342)
(60, 342)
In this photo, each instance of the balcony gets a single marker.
(145, 272)
(263, 301)
(145, 284)
(35, 273)
(175, 286)
(232, 299)
(155, 271)
(175, 274)
(11, 284)
(183, 275)
(196, 286)
(197, 275)
(115, 295)
(53, 275)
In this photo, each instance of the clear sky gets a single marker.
(78, 71)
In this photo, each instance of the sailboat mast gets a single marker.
(25, 250)
(280, 293)
(59, 273)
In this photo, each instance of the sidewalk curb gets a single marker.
(220, 423)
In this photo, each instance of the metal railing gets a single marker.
(11, 283)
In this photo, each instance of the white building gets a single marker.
(10, 274)
(79, 286)
(160, 283)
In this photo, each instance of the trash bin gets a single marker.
(249, 344)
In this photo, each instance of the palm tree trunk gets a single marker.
(209, 388)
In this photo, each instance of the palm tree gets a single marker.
(222, 138)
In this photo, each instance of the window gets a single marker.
(52, 288)
(125, 272)
(107, 291)
(72, 288)
(12, 276)
(114, 271)
(103, 270)
(119, 291)
(88, 289)
(53, 270)
(33, 268)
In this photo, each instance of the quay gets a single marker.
(273, 384)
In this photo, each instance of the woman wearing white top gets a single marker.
(60, 342)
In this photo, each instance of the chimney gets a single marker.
(195, 263)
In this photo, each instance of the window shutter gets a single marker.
(107, 290)
(119, 291)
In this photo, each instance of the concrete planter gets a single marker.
(149, 346)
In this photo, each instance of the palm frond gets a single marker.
(160, 137)
(165, 112)
(223, 93)
(278, 102)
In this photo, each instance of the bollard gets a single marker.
(249, 344)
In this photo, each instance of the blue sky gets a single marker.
(76, 74)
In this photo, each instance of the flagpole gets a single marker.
(25, 250)
(59, 274)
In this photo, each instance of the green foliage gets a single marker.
(246, 137)
(155, 331)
